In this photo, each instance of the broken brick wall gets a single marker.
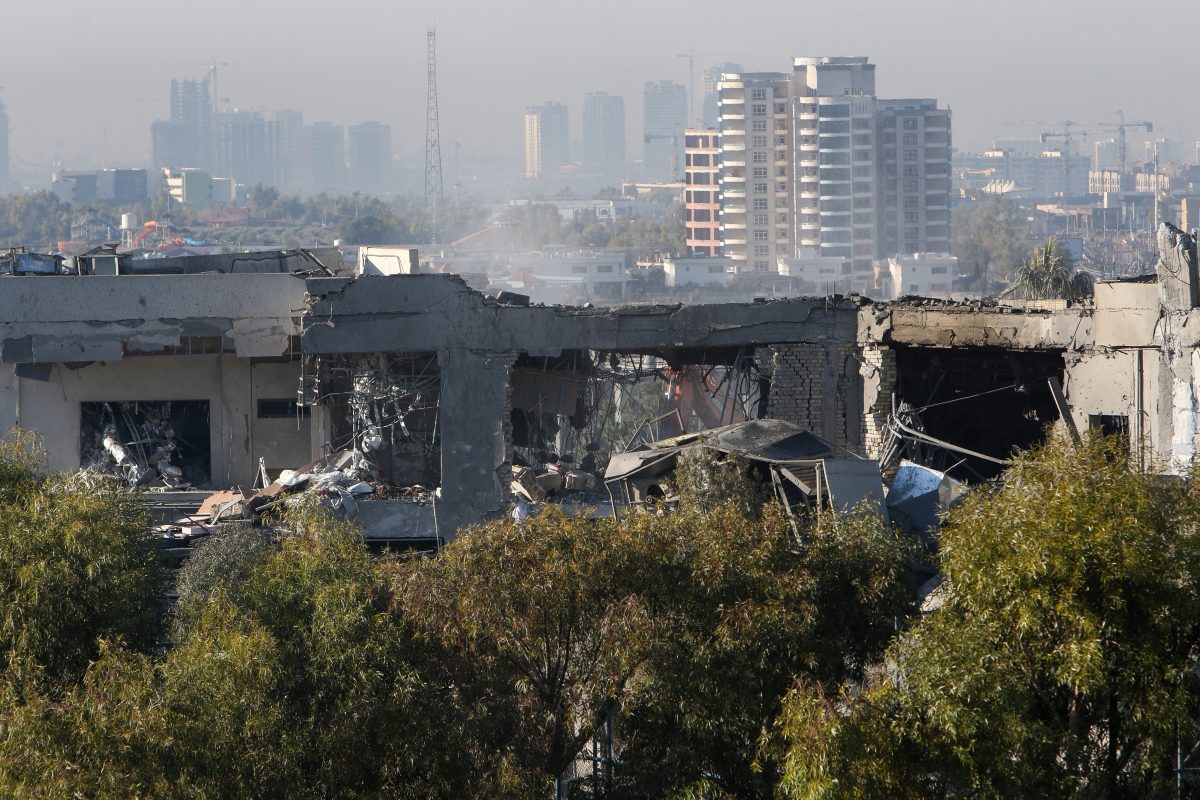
(817, 386)
(878, 370)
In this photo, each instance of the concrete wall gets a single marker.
(388, 261)
(98, 325)
(91, 318)
(229, 385)
(283, 443)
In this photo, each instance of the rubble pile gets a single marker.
(338, 482)
(553, 480)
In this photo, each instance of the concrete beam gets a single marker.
(949, 325)
(435, 312)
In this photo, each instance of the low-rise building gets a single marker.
(698, 271)
(565, 276)
(918, 274)
(818, 274)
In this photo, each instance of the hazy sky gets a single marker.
(86, 78)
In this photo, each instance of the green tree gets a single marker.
(263, 198)
(1049, 273)
(369, 229)
(37, 220)
(538, 633)
(989, 238)
(76, 565)
(743, 608)
(1062, 662)
(300, 684)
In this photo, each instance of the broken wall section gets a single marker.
(818, 387)
(385, 407)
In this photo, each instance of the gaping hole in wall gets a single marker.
(983, 399)
(384, 406)
(572, 413)
(148, 443)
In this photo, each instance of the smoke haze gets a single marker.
(83, 80)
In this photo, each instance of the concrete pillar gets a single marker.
(233, 460)
(472, 421)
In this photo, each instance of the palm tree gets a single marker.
(1048, 273)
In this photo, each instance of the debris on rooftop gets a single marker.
(803, 470)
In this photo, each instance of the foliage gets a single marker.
(706, 480)
(38, 220)
(1061, 664)
(537, 632)
(1049, 273)
(741, 611)
(303, 687)
(76, 565)
(221, 563)
(989, 238)
(640, 238)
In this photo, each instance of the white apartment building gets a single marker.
(836, 176)
(918, 274)
(812, 161)
(756, 141)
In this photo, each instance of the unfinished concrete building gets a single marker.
(229, 367)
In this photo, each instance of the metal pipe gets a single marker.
(946, 445)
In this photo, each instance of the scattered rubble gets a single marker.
(339, 482)
(803, 469)
(554, 480)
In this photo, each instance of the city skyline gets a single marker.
(1060, 73)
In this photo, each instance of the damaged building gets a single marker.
(219, 371)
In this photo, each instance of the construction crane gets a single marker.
(691, 55)
(1120, 128)
(212, 73)
(1067, 137)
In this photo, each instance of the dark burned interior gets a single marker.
(165, 443)
(986, 399)
(385, 406)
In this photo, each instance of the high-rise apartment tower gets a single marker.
(664, 118)
(546, 139)
(604, 135)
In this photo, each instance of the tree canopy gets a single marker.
(723, 650)
(990, 238)
(1048, 273)
(1061, 663)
